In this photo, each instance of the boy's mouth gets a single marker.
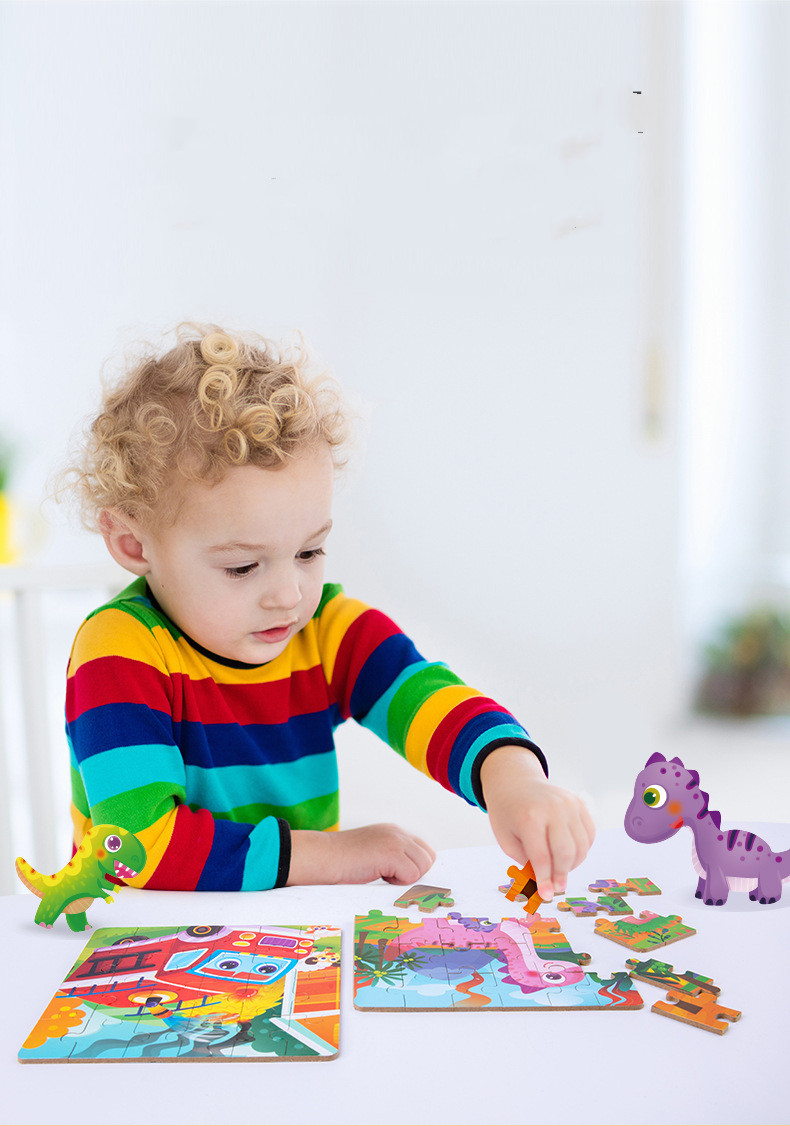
(277, 633)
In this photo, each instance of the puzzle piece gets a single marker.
(580, 906)
(645, 933)
(524, 884)
(639, 884)
(426, 897)
(699, 1008)
(505, 888)
(662, 974)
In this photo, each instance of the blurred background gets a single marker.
(544, 248)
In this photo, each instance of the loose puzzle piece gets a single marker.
(426, 897)
(460, 963)
(199, 992)
(645, 933)
(580, 906)
(663, 975)
(700, 1008)
(639, 884)
(519, 898)
(524, 883)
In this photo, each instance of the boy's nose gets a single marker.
(282, 594)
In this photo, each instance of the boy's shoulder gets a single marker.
(136, 603)
(128, 624)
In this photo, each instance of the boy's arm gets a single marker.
(455, 734)
(128, 770)
(421, 709)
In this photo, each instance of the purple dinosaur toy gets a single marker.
(668, 796)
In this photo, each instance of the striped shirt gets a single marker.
(212, 762)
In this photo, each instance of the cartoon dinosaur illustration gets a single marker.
(668, 796)
(106, 850)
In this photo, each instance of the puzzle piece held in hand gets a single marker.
(662, 974)
(580, 906)
(699, 1008)
(524, 883)
(426, 897)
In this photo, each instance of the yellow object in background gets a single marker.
(8, 549)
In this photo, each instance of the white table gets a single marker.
(476, 1067)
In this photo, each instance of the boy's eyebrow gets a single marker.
(237, 545)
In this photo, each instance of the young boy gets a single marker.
(202, 700)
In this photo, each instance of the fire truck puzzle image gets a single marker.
(196, 992)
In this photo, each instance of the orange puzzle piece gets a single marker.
(699, 1008)
(524, 884)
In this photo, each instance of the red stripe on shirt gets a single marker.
(361, 639)
(184, 858)
(275, 701)
(121, 680)
(440, 747)
(116, 680)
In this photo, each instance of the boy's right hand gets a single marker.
(357, 856)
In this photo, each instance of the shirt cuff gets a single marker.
(511, 741)
(284, 866)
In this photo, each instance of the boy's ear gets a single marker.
(123, 539)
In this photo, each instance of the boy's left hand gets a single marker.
(533, 819)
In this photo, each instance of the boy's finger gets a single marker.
(589, 825)
(539, 857)
(564, 852)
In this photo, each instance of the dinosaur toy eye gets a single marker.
(113, 843)
(654, 796)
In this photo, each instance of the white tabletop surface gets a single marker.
(472, 1067)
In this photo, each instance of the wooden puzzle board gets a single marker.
(466, 964)
(196, 993)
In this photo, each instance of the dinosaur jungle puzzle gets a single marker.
(196, 992)
(460, 963)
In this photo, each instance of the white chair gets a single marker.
(27, 768)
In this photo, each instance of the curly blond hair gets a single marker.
(213, 401)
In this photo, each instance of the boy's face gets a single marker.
(242, 568)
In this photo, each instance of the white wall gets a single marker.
(473, 217)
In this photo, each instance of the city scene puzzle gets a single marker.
(196, 992)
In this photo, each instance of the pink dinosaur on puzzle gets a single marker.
(525, 968)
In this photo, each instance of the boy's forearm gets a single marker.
(313, 858)
(505, 765)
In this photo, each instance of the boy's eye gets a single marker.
(240, 572)
(308, 556)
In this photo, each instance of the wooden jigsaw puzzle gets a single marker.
(523, 886)
(640, 884)
(198, 992)
(611, 904)
(426, 897)
(462, 963)
(692, 998)
(664, 976)
(699, 1008)
(645, 933)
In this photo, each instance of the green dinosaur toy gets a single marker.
(106, 850)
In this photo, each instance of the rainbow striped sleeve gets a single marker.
(130, 738)
(420, 708)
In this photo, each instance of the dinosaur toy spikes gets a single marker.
(668, 796)
(106, 850)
